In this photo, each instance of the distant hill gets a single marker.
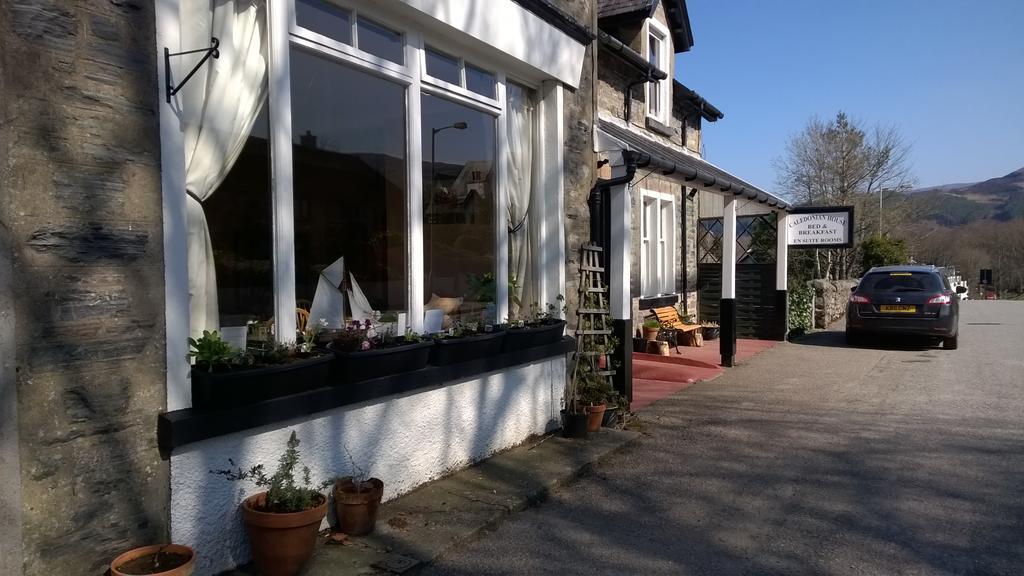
(957, 204)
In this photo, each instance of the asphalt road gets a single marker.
(812, 458)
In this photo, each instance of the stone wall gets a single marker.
(830, 298)
(81, 208)
(579, 160)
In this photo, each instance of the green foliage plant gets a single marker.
(284, 493)
(801, 312)
(882, 251)
(211, 351)
(652, 323)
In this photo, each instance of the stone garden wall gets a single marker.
(830, 298)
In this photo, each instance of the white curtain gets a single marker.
(519, 114)
(218, 107)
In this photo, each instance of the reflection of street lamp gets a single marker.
(433, 141)
(430, 207)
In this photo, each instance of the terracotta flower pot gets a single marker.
(651, 334)
(595, 417)
(357, 509)
(134, 562)
(281, 543)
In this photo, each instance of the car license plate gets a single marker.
(900, 308)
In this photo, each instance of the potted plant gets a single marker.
(651, 328)
(224, 376)
(282, 522)
(537, 329)
(361, 353)
(356, 499)
(594, 391)
(465, 341)
(155, 560)
(710, 330)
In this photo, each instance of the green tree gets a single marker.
(841, 162)
(882, 251)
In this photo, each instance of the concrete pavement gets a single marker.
(812, 458)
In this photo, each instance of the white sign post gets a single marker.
(826, 227)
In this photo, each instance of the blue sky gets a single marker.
(948, 73)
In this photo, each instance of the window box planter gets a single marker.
(360, 365)
(465, 348)
(530, 336)
(214, 390)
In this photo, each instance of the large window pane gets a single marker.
(239, 218)
(443, 66)
(324, 18)
(380, 41)
(350, 180)
(458, 209)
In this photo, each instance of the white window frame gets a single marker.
(662, 89)
(283, 33)
(657, 244)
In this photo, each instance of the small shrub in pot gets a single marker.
(283, 521)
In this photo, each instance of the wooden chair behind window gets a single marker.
(301, 319)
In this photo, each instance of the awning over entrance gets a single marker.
(696, 172)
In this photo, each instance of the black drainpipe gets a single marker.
(600, 234)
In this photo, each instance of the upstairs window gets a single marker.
(659, 54)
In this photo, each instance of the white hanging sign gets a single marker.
(825, 227)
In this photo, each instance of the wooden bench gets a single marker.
(669, 318)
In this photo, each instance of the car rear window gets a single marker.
(900, 282)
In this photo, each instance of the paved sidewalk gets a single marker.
(430, 521)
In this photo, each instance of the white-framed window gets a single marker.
(657, 243)
(658, 48)
(381, 145)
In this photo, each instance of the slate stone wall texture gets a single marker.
(579, 159)
(81, 206)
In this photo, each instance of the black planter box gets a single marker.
(367, 364)
(519, 338)
(214, 390)
(710, 332)
(466, 348)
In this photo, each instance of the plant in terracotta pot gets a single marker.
(155, 560)
(594, 391)
(356, 499)
(651, 328)
(362, 352)
(224, 376)
(283, 521)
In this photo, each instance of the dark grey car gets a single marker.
(911, 300)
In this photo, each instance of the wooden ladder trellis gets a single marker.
(593, 319)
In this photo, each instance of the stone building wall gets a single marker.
(81, 209)
(580, 163)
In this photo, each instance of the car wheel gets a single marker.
(853, 337)
(950, 343)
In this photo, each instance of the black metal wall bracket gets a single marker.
(211, 51)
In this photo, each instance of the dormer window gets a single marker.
(659, 54)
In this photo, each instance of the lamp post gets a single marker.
(433, 142)
(430, 207)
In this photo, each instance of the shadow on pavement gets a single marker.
(837, 339)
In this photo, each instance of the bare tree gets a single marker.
(841, 163)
